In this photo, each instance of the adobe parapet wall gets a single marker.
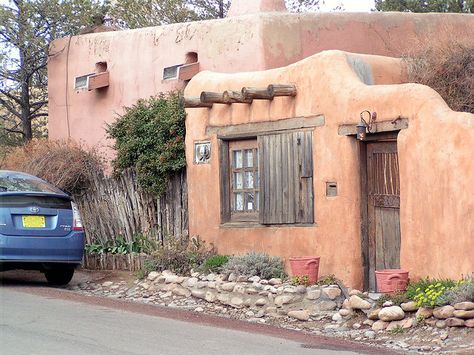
(435, 160)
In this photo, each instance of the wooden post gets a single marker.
(212, 97)
(255, 93)
(235, 97)
(281, 90)
(195, 102)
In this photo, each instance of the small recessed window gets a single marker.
(171, 72)
(100, 67)
(191, 57)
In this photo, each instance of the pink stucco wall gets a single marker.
(236, 44)
(435, 154)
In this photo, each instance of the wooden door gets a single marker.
(383, 212)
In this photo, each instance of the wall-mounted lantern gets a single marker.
(364, 127)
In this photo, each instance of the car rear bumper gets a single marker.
(68, 249)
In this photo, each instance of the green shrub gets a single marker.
(256, 264)
(141, 243)
(149, 265)
(464, 291)
(214, 263)
(180, 255)
(397, 298)
(429, 292)
(300, 280)
(327, 280)
(149, 137)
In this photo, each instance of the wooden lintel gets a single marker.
(281, 90)
(231, 97)
(195, 102)
(382, 126)
(212, 97)
(256, 93)
(256, 128)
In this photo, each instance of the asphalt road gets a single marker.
(32, 324)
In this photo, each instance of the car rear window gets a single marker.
(19, 201)
(15, 182)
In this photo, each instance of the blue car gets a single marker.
(40, 228)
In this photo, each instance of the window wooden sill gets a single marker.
(228, 225)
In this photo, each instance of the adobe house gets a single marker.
(282, 170)
(278, 167)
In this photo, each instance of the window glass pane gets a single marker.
(249, 201)
(238, 181)
(239, 202)
(248, 181)
(238, 159)
(248, 155)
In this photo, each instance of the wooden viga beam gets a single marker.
(231, 97)
(210, 97)
(268, 93)
(195, 102)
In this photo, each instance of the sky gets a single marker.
(349, 5)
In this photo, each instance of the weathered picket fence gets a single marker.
(116, 206)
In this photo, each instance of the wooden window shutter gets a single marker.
(224, 180)
(286, 178)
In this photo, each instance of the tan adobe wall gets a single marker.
(435, 156)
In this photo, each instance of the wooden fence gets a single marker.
(115, 207)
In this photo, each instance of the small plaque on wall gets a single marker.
(202, 152)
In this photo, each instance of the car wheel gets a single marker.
(59, 275)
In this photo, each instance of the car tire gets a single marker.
(59, 275)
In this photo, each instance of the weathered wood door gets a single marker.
(383, 212)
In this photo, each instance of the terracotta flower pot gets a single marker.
(305, 266)
(391, 280)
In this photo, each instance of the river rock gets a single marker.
(254, 278)
(275, 281)
(373, 314)
(391, 313)
(469, 323)
(332, 292)
(409, 306)
(191, 282)
(465, 306)
(345, 312)
(326, 306)
(232, 277)
(313, 294)
(242, 278)
(228, 286)
(354, 292)
(198, 293)
(443, 312)
(424, 313)
(460, 313)
(181, 291)
(454, 322)
(300, 315)
(239, 288)
(336, 317)
(356, 302)
(441, 324)
(261, 302)
(108, 284)
(282, 299)
(301, 289)
(380, 325)
(153, 275)
(236, 302)
(210, 297)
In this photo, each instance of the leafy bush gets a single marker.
(67, 165)
(149, 265)
(397, 298)
(327, 280)
(181, 255)
(141, 243)
(428, 292)
(464, 291)
(214, 263)
(300, 280)
(256, 264)
(149, 137)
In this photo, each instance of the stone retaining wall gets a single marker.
(266, 296)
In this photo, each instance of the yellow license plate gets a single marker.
(34, 222)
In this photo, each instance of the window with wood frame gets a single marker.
(268, 179)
